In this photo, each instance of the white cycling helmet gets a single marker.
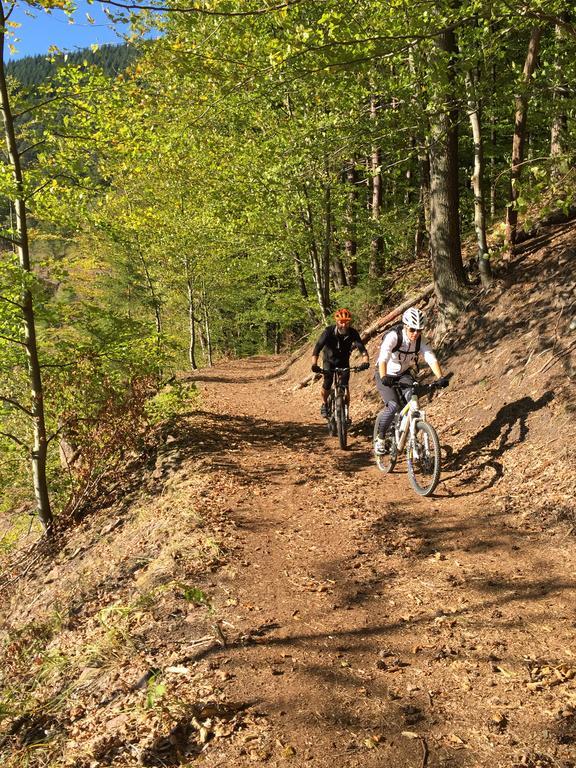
(414, 319)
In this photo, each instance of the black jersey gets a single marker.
(338, 346)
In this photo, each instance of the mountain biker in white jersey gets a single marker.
(397, 356)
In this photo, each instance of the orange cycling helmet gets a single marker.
(343, 315)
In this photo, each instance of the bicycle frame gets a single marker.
(337, 386)
(406, 419)
(338, 405)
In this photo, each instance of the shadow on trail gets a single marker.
(219, 441)
(491, 442)
(425, 535)
(331, 659)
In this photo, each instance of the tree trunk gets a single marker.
(207, 333)
(447, 268)
(518, 142)
(421, 236)
(338, 273)
(351, 246)
(376, 267)
(315, 262)
(40, 443)
(561, 92)
(326, 251)
(478, 184)
(300, 275)
(191, 316)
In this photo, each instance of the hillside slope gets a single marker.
(259, 596)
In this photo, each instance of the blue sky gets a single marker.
(37, 34)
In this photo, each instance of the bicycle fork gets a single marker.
(411, 412)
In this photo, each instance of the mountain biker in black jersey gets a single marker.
(338, 341)
(396, 357)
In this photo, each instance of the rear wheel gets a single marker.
(385, 461)
(423, 456)
(341, 426)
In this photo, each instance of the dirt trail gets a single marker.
(244, 592)
(371, 627)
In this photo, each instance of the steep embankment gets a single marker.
(262, 597)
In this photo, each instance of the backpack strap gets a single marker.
(398, 330)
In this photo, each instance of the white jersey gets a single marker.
(405, 357)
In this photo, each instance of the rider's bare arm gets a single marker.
(431, 359)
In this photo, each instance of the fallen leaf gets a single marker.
(503, 671)
(178, 670)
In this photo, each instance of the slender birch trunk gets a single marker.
(561, 92)
(519, 140)
(350, 245)
(207, 332)
(40, 443)
(326, 250)
(477, 181)
(191, 315)
(376, 267)
(315, 262)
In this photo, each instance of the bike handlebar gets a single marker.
(354, 368)
(418, 388)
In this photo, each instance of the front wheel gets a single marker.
(341, 426)
(423, 456)
(331, 417)
(385, 461)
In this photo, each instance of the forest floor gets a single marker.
(256, 595)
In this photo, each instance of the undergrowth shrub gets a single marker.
(171, 401)
(103, 440)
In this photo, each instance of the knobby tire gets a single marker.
(385, 462)
(428, 465)
(341, 426)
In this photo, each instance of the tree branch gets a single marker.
(32, 146)
(14, 341)
(196, 9)
(550, 18)
(16, 404)
(11, 301)
(18, 115)
(9, 239)
(16, 439)
(72, 179)
(9, 12)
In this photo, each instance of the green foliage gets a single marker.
(193, 595)
(171, 401)
(206, 179)
(155, 691)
